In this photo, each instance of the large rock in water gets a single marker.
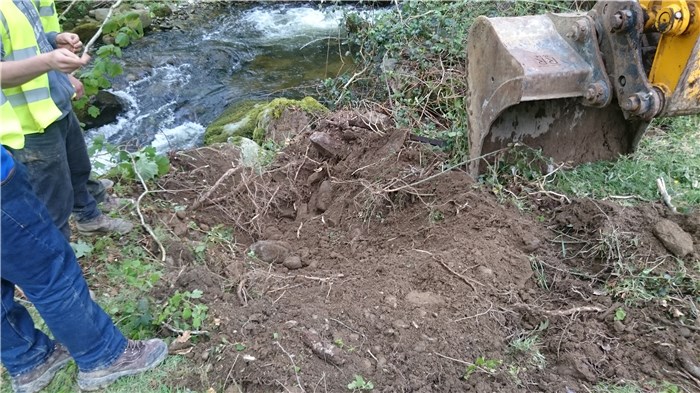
(110, 107)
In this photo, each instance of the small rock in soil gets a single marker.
(684, 332)
(325, 196)
(424, 298)
(674, 238)
(326, 144)
(324, 349)
(400, 324)
(293, 263)
(391, 301)
(271, 251)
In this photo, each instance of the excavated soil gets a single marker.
(355, 253)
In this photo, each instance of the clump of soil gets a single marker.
(355, 253)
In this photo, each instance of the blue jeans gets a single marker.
(37, 258)
(59, 168)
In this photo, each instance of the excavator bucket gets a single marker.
(540, 81)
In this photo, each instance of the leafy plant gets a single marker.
(81, 248)
(182, 312)
(359, 383)
(620, 314)
(123, 29)
(145, 163)
(488, 366)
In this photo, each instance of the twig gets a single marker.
(562, 313)
(688, 364)
(242, 296)
(293, 365)
(469, 281)
(180, 331)
(453, 359)
(99, 31)
(447, 170)
(316, 40)
(138, 208)
(476, 315)
(68, 8)
(661, 184)
(213, 188)
(230, 371)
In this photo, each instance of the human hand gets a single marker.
(69, 41)
(66, 61)
(77, 85)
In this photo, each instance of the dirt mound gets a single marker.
(355, 254)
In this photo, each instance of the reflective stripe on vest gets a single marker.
(10, 130)
(48, 15)
(31, 101)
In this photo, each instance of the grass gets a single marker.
(670, 150)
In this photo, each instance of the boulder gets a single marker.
(674, 238)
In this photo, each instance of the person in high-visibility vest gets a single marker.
(38, 259)
(34, 81)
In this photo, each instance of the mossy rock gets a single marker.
(86, 30)
(161, 10)
(251, 119)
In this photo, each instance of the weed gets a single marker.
(529, 347)
(145, 163)
(540, 275)
(135, 273)
(359, 383)
(82, 249)
(436, 216)
(620, 314)
(488, 366)
(182, 312)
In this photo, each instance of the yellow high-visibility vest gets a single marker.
(10, 130)
(31, 101)
(48, 15)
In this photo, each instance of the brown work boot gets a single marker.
(113, 204)
(139, 356)
(103, 224)
(34, 380)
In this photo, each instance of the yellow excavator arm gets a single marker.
(581, 86)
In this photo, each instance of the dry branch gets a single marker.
(138, 208)
(99, 31)
(213, 188)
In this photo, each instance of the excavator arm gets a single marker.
(581, 86)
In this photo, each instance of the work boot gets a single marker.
(139, 356)
(103, 224)
(112, 203)
(107, 184)
(38, 378)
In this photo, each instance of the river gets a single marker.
(175, 82)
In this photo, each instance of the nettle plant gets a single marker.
(184, 311)
(123, 30)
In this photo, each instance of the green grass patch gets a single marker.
(670, 150)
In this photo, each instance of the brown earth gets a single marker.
(354, 253)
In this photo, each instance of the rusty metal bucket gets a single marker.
(540, 81)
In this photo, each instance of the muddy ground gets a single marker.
(355, 254)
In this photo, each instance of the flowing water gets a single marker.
(176, 82)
